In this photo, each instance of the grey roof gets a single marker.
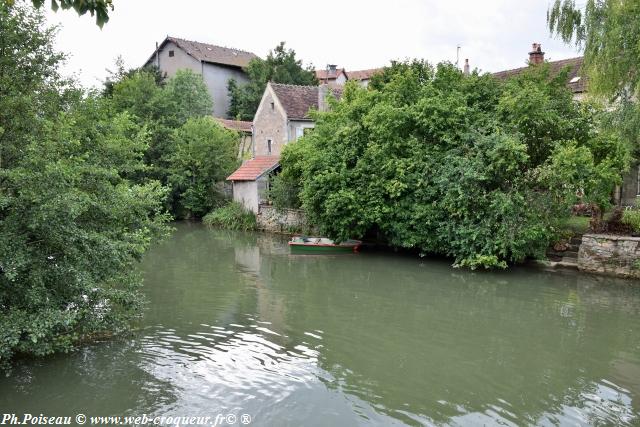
(206, 52)
(298, 100)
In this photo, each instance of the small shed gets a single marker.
(251, 181)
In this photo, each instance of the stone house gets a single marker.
(216, 64)
(282, 117)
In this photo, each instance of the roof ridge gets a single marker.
(546, 62)
(210, 44)
(291, 84)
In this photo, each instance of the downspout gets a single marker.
(157, 56)
(253, 141)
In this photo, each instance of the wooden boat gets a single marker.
(320, 245)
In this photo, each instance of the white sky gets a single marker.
(494, 34)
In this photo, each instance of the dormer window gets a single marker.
(171, 53)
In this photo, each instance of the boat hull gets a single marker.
(322, 249)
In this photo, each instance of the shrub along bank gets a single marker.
(464, 166)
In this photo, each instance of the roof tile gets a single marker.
(254, 168)
(215, 54)
(577, 83)
(298, 100)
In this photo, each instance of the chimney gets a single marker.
(323, 91)
(466, 67)
(536, 56)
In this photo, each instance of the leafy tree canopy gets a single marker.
(281, 66)
(609, 33)
(99, 8)
(72, 222)
(464, 166)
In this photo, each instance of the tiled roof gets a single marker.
(238, 125)
(577, 83)
(254, 168)
(363, 74)
(323, 74)
(298, 100)
(211, 53)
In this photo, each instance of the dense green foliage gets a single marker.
(285, 187)
(281, 66)
(232, 216)
(608, 31)
(202, 157)
(72, 222)
(187, 147)
(631, 217)
(464, 166)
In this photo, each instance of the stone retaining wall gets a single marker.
(289, 221)
(610, 254)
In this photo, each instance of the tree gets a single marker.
(609, 33)
(464, 166)
(204, 154)
(72, 224)
(281, 66)
(162, 107)
(99, 8)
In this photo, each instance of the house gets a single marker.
(251, 181)
(332, 76)
(336, 77)
(245, 135)
(216, 64)
(625, 194)
(282, 117)
(577, 83)
(364, 76)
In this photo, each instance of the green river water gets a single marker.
(237, 325)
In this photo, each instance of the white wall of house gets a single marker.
(179, 61)
(246, 193)
(297, 127)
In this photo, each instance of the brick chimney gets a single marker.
(466, 70)
(536, 56)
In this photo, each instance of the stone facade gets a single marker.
(288, 221)
(610, 254)
(269, 124)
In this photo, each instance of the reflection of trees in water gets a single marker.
(422, 338)
(108, 377)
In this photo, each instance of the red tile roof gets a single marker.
(363, 74)
(254, 168)
(298, 100)
(577, 83)
(325, 74)
(238, 125)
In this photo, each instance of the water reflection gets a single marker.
(237, 324)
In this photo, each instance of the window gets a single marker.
(299, 132)
(171, 53)
(269, 146)
(273, 106)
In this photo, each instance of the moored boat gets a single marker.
(304, 244)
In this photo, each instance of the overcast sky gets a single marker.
(493, 34)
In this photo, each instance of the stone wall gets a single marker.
(289, 221)
(609, 254)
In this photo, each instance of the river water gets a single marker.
(236, 325)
